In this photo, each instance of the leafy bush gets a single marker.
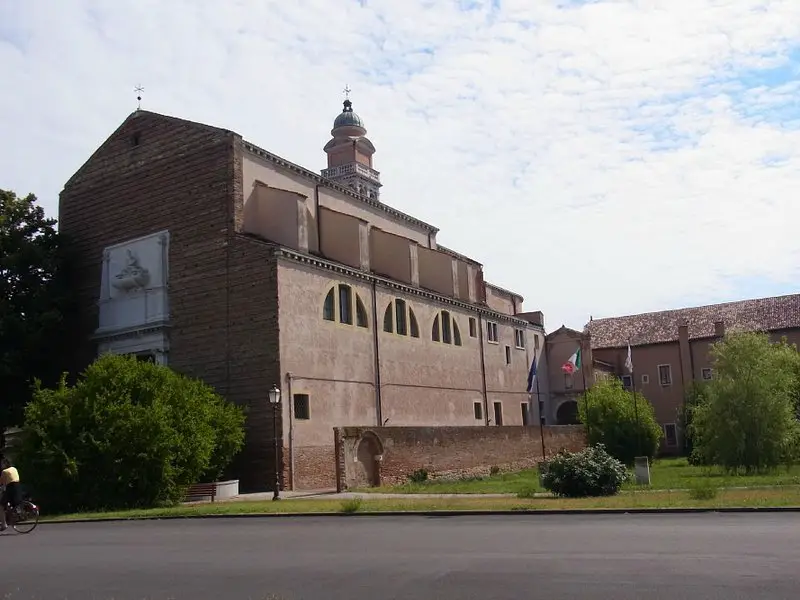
(418, 476)
(626, 429)
(590, 472)
(747, 420)
(128, 434)
(696, 394)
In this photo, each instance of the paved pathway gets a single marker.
(591, 557)
(331, 494)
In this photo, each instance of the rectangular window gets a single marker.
(478, 408)
(498, 413)
(491, 332)
(645, 379)
(473, 327)
(519, 339)
(665, 375)
(345, 304)
(567, 381)
(707, 374)
(526, 414)
(508, 355)
(400, 316)
(626, 382)
(670, 435)
(536, 342)
(446, 330)
(302, 409)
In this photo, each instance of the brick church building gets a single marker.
(202, 251)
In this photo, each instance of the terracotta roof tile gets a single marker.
(763, 314)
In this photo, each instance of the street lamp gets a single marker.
(274, 399)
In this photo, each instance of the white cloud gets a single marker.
(600, 158)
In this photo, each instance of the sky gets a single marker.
(600, 157)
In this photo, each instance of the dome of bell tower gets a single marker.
(348, 123)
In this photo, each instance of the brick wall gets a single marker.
(156, 172)
(315, 467)
(254, 358)
(447, 451)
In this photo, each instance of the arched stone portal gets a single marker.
(368, 454)
(567, 413)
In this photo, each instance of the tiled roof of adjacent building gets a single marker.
(763, 314)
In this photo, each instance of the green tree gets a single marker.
(34, 299)
(625, 429)
(748, 420)
(128, 434)
(696, 394)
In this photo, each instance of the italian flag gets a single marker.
(574, 362)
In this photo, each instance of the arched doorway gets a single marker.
(368, 452)
(567, 413)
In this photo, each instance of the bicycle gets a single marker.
(24, 518)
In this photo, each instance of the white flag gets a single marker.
(629, 361)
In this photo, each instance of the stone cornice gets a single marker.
(260, 152)
(503, 290)
(316, 261)
(130, 332)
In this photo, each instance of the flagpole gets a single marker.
(635, 404)
(539, 406)
(585, 399)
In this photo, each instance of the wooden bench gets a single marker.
(199, 491)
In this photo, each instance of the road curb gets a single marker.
(442, 513)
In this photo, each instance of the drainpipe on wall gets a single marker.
(290, 403)
(528, 365)
(483, 372)
(376, 352)
(317, 219)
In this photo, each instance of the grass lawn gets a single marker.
(665, 474)
(640, 499)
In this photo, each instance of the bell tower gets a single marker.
(350, 154)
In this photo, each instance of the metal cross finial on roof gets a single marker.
(347, 91)
(138, 89)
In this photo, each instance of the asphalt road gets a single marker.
(614, 557)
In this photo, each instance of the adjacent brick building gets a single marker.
(670, 349)
(202, 251)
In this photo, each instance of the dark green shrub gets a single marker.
(418, 476)
(590, 472)
(626, 429)
(128, 434)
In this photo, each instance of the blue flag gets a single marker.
(532, 375)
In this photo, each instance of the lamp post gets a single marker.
(274, 399)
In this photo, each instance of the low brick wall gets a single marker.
(315, 467)
(445, 452)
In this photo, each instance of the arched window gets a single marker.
(399, 318)
(340, 303)
(445, 329)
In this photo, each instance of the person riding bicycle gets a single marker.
(12, 495)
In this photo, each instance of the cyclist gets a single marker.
(12, 496)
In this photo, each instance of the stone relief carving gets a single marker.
(133, 276)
